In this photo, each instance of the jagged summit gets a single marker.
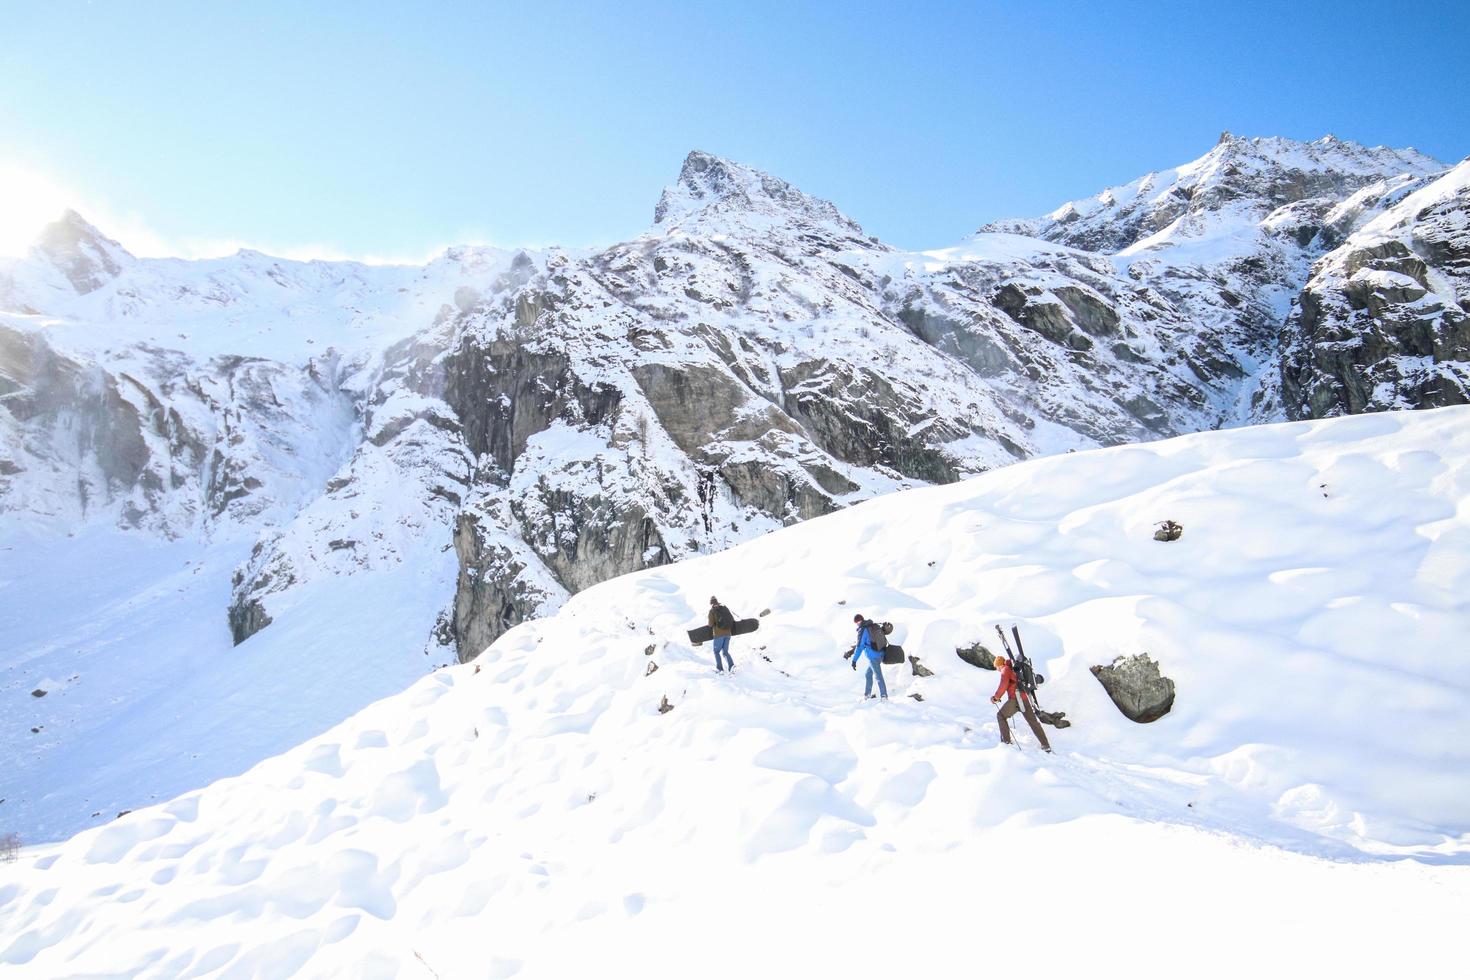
(1330, 154)
(711, 188)
(87, 258)
(1251, 176)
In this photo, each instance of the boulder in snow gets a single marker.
(977, 655)
(1168, 531)
(1137, 688)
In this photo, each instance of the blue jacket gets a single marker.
(864, 646)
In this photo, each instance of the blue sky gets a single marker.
(392, 129)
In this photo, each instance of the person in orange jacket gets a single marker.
(1009, 689)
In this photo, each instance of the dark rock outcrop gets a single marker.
(977, 655)
(1135, 685)
(497, 587)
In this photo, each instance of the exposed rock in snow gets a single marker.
(87, 258)
(977, 655)
(1229, 241)
(1239, 177)
(1383, 322)
(149, 439)
(1137, 688)
(1168, 531)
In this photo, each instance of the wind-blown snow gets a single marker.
(533, 814)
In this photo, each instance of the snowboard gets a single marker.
(742, 626)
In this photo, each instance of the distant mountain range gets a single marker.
(545, 420)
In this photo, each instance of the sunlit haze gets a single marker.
(28, 202)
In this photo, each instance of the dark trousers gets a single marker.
(722, 645)
(1010, 708)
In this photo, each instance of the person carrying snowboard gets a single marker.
(865, 648)
(1009, 688)
(722, 626)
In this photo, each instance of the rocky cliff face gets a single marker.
(548, 420)
(149, 439)
(1231, 239)
(1383, 321)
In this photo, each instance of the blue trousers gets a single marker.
(722, 645)
(875, 666)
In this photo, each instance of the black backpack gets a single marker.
(724, 619)
(877, 635)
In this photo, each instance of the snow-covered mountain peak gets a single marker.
(712, 192)
(81, 252)
(1235, 156)
(1238, 183)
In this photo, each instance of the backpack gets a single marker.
(877, 636)
(724, 619)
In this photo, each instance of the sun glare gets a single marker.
(28, 202)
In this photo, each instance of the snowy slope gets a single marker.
(146, 697)
(533, 814)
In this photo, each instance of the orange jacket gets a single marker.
(1008, 685)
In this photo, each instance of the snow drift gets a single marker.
(532, 813)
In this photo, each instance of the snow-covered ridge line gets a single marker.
(534, 811)
(1118, 218)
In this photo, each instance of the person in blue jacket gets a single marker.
(864, 648)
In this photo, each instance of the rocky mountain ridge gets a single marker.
(556, 418)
